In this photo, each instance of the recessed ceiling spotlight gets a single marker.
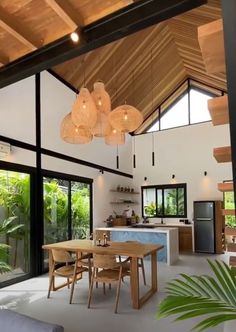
(74, 37)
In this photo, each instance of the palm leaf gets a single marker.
(195, 296)
(4, 267)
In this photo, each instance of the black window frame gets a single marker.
(162, 187)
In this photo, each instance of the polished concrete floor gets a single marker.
(29, 297)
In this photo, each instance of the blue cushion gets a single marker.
(11, 321)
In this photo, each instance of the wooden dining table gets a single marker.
(132, 250)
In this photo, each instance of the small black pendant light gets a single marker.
(134, 155)
(117, 158)
(153, 153)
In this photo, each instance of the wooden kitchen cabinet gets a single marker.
(185, 239)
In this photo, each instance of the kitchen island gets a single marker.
(166, 236)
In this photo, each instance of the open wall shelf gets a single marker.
(218, 108)
(222, 154)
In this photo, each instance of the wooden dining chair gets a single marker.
(64, 265)
(127, 265)
(107, 271)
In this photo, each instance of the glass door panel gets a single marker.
(55, 196)
(170, 202)
(80, 210)
(149, 202)
(14, 225)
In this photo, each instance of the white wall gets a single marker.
(186, 152)
(17, 111)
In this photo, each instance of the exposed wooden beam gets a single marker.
(229, 23)
(133, 18)
(211, 42)
(3, 60)
(7, 23)
(64, 14)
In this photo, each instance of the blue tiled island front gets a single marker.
(163, 235)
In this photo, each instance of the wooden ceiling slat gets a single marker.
(65, 13)
(10, 25)
(124, 65)
(107, 10)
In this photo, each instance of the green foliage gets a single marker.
(80, 212)
(56, 210)
(229, 204)
(15, 202)
(150, 209)
(7, 227)
(193, 296)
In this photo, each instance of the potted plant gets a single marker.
(213, 297)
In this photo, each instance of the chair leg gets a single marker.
(73, 283)
(91, 288)
(143, 271)
(68, 283)
(118, 290)
(104, 288)
(89, 270)
(51, 282)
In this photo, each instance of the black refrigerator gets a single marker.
(204, 226)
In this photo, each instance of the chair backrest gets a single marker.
(98, 234)
(61, 256)
(104, 261)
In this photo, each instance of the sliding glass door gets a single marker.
(80, 209)
(14, 224)
(67, 209)
(55, 199)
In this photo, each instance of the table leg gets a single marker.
(50, 265)
(154, 271)
(134, 281)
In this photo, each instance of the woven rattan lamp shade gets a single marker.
(73, 134)
(84, 112)
(102, 127)
(115, 138)
(101, 98)
(125, 118)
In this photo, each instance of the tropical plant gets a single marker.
(7, 227)
(150, 209)
(193, 296)
(15, 201)
(80, 211)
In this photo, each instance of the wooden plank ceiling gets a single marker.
(141, 69)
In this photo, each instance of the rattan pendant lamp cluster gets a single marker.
(92, 116)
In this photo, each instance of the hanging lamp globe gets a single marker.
(101, 98)
(84, 112)
(115, 137)
(102, 127)
(70, 133)
(125, 118)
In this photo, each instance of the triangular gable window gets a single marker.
(185, 107)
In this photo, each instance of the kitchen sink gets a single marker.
(143, 226)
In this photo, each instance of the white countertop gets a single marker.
(171, 224)
(130, 229)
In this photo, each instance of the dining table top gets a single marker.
(131, 249)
